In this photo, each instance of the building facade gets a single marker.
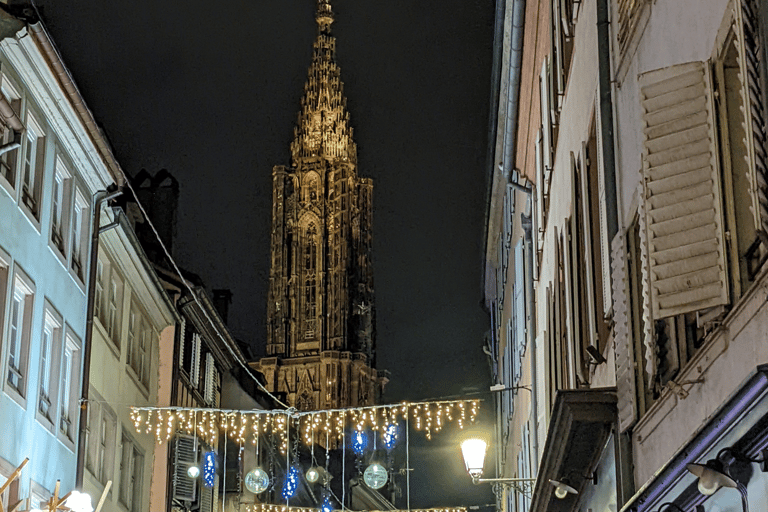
(321, 338)
(626, 252)
(55, 170)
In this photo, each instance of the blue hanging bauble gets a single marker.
(390, 436)
(359, 442)
(209, 469)
(291, 483)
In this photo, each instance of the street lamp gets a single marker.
(716, 473)
(474, 450)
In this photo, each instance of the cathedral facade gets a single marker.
(321, 336)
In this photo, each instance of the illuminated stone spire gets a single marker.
(323, 125)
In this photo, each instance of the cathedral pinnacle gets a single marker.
(323, 128)
(324, 15)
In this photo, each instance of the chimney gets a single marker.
(221, 301)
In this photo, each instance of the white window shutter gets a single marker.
(182, 331)
(210, 384)
(546, 121)
(684, 225)
(539, 222)
(185, 455)
(581, 173)
(519, 305)
(747, 30)
(195, 370)
(605, 249)
(626, 383)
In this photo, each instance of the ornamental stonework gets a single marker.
(321, 336)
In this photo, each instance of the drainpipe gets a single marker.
(606, 117)
(526, 220)
(625, 485)
(513, 87)
(99, 198)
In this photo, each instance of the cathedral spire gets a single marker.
(323, 128)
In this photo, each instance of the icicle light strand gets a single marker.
(241, 426)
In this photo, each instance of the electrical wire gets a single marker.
(193, 294)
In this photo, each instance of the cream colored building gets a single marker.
(632, 137)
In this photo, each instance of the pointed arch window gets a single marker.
(310, 282)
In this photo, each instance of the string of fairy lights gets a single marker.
(314, 426)
(264, 507)
(286, 429)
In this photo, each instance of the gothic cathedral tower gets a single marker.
(321, 338)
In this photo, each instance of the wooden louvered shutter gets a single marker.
(546, 119)
(519, 306)
(605, 249)
(684, 225)
(185, 455)
(747, 31)
(626, 383)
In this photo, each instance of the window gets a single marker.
(50, 351)
(738, 90)
(113, 306)
(98, 306)
(310, 284)
(70, 379)
(11, 99)
(80, 214)
(139, 338)
(185, 454)
(100, 438)
(32, 161)
(60, 205)
(19, 332)
(131, 469)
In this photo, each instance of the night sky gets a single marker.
(211, 90)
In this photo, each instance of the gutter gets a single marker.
(55, 62)
(513, 96)
(99, 198)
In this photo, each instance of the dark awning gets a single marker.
(581, 423)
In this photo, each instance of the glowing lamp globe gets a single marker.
(562, 489)
(79, 502)
(375, 476)
(257, 481)
(473, 451)
(313, 475)
(193, 471)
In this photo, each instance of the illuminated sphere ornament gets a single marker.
(359, 442)
(313, 475)
(390, 436)
(375, 476)
(291, 483)
(209, 469)
(193, 471)
(257, 481)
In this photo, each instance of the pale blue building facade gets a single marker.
(53, 160)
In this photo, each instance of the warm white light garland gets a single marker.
(265, 507)
(314, 426)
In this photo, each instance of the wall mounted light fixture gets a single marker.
(716, 473)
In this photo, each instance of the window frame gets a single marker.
(49, 367)
(11, 91)
(32, 165)
(130, 495)
(68, 408)
(79, 233)
(62, 198)
(23, 288)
